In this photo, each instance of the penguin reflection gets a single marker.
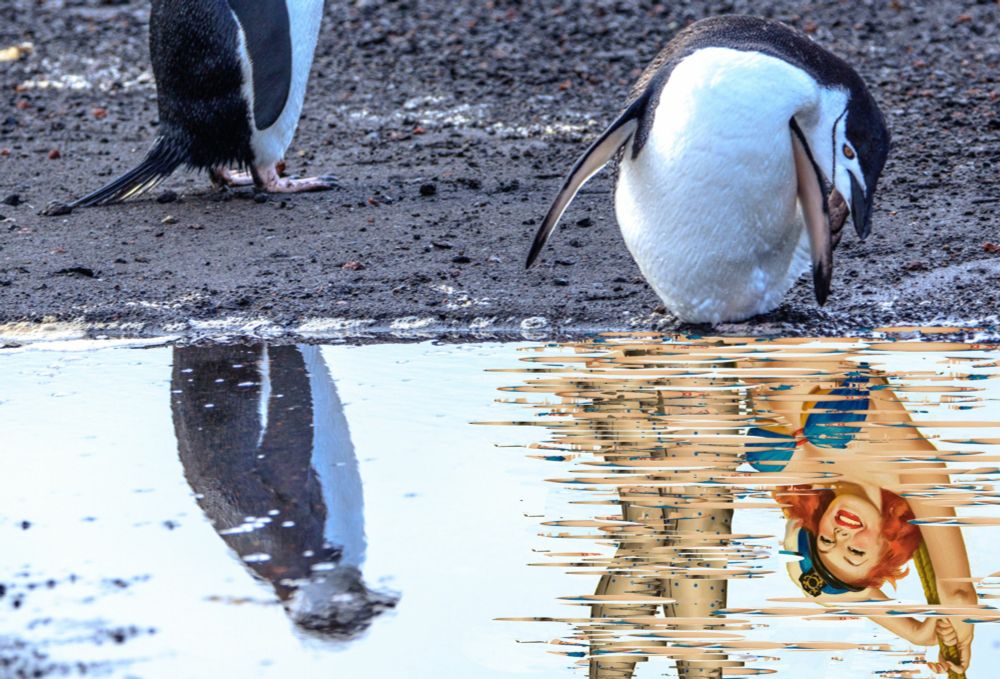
(265, 445)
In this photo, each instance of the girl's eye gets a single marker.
(848, 152)
(825, 540)
(855, 552)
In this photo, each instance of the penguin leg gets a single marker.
(267, 178)
(223, 177)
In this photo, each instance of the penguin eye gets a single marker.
(849, 152)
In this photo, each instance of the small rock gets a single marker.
(441, 245)
(352, 266)
(260, 198)
(13, 200)
(461, 259)
(81, 271)
(54, 154)
(169, 219)
(427, 190)
(585, 223)
(561, 282)
(167, 197)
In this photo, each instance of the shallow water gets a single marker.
(297, 510)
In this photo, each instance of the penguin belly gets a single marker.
(709, 207)
(271, 136)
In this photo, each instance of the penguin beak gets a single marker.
(813, 202)
(861, 208)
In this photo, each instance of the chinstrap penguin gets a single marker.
(231, 80)
(743, 147)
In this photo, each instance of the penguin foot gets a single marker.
(223, 177)
(267, 179)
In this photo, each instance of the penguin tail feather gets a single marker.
(590, 163)
(165, 156)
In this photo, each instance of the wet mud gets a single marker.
(450, 126)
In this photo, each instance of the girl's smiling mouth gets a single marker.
(848, 520)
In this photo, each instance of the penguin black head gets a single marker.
(849, 139)
(862, 155)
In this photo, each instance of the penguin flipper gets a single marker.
(160, 162)
(815, 211)
(267, 34)
(589, 164)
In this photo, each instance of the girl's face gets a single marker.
(850, 537)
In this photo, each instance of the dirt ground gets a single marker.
(450, 125)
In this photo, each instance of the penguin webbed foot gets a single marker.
(269, 180)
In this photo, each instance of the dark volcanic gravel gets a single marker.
(450, 125)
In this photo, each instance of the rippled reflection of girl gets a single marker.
(855, 533)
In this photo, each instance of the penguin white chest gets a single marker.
(709, 207)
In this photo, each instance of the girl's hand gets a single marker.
(957, 634)
(924, 633)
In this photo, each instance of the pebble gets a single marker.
(167, 197)
(13, 200)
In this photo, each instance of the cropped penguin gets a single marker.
(743, 147)
(231, 79)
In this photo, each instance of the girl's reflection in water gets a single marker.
(266, 448)
(864, 494)
(858, 531)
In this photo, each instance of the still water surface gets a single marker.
(381, 511)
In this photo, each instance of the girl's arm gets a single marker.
(944, 543)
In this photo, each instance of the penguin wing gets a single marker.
(589, 164)
(813, 201)
(267, 34)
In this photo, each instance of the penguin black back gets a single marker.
(204, 119)
(194, 45)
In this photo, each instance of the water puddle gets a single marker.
(623, 506)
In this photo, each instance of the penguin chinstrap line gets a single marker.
(231, 80)
(742, 150)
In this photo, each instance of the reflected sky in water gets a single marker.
(297, 510)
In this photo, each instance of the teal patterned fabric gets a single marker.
(830, 428)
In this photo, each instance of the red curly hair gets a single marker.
(901, 537)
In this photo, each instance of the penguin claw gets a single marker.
(268, 180)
